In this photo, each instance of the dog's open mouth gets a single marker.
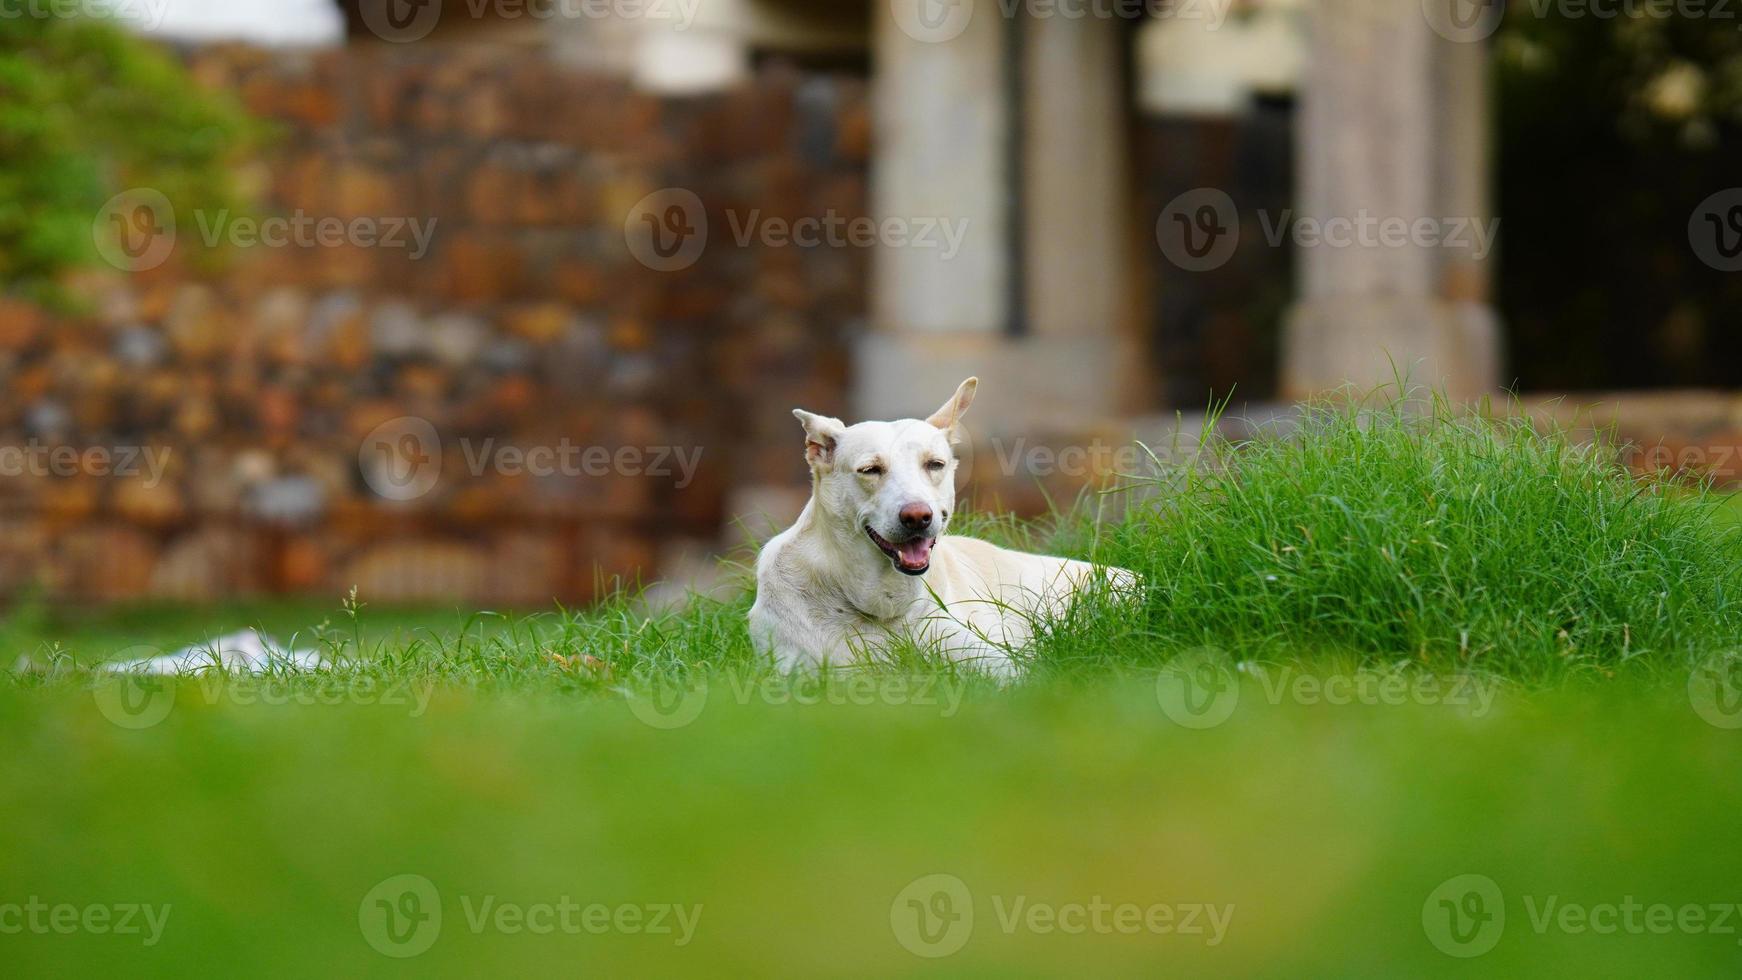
(911, 557)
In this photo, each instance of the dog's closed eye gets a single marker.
(935, 465)
(875, 469)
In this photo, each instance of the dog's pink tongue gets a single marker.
(915, 553)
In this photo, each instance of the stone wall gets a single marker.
(262, 381)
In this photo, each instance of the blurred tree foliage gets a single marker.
(88, 110)
(1613, 131)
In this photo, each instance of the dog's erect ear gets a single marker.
(821, 435)
(946, 418)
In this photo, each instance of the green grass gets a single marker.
(89, 635)
(1393, 532)
(1519, 625)
(1401, 530)
(796, 827)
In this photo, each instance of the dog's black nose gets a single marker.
(916, 517)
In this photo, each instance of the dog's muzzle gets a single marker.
(911, 557)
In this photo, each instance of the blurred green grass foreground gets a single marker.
(1409, 692)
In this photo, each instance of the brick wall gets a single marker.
(527, 324)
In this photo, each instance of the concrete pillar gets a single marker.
(1077, 179)
(940, 117)
(1392, 128)
(943, 109)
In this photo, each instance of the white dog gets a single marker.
(868, 559)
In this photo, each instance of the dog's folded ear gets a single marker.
(947, 417)
(821, 435)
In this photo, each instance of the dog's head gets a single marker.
(890, 485)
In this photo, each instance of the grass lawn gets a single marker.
(93, 635)
(1406, 695)
(795, 828)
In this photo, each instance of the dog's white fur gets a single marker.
(827, 592)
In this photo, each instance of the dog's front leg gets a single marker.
(781, 632)
(975, 642)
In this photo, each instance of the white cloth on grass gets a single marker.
(246, 652)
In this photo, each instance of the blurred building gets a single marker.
(1126, 189)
